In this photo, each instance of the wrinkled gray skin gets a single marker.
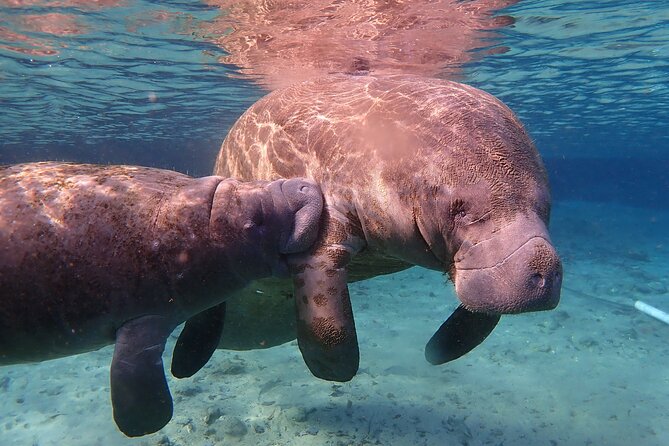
(414, 171)
(95, 255)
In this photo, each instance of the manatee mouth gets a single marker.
(515, 269)
(527, 277)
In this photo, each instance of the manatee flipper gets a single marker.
(197, 341)
(461, 332)
(141, 400)
(325, 326)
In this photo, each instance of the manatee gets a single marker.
(414, 171)
(94, 255)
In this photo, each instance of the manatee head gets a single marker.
(494, 245)
(298, 203)
(478, 198)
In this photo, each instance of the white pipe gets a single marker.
(652, 311)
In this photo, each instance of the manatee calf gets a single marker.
(414, 171)
(94, 255)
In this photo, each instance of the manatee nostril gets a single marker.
(537, 280)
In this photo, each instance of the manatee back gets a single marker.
(74, 239)
(361, 128)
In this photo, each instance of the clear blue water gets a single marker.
(129, 88)
(589, 81)
(144, 82)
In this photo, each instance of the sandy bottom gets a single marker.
(594, 371)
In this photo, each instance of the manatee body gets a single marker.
(414, 171)
(94, 255)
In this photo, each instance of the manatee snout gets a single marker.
(514, 271)
(303, 201)
(264, 221)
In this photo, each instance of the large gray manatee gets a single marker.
(94, 255)
(414, 171)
